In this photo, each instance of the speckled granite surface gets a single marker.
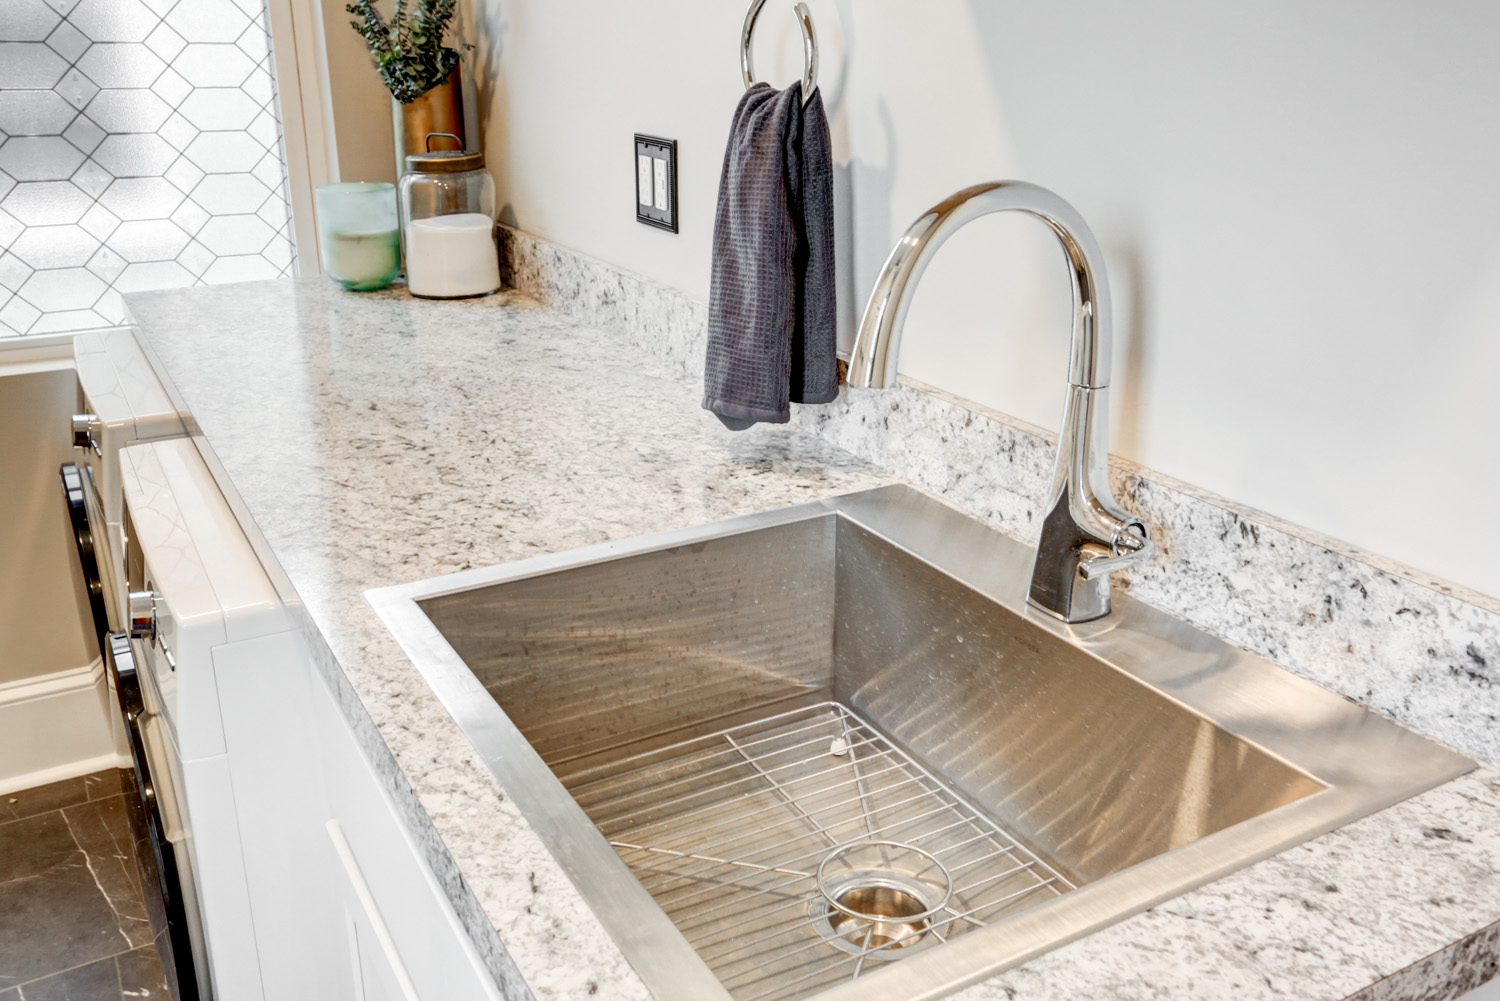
(1418, 649)
(1375, 906)
(373, 439)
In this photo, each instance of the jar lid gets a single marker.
(445, 161)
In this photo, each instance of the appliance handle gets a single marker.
(157, 857)
(75, 486)
(119, 660)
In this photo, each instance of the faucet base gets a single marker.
(1058, 586)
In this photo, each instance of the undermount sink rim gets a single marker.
(921, 526)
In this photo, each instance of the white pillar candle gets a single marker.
(364, 260)
(452, 255)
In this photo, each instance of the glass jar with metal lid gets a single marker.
(448, 224)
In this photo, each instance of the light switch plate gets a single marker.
(656, 182)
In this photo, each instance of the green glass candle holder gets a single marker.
(358, 234)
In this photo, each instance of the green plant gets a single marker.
(408, 49)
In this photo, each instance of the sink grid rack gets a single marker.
(729, 832)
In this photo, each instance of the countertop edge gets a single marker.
(1484, 942)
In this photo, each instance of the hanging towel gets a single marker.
(772, 326)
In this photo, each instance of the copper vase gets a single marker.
(440, 109)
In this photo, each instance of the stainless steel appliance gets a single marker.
(126, 404)
(157, 830)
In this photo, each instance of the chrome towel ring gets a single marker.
(809, 47)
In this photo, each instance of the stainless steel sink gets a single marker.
(826, 750)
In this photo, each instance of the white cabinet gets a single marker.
(342, 902)
(306, 879)
(266, 693)
(376, 967)
(407, 932)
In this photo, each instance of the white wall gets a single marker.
(1299, 204)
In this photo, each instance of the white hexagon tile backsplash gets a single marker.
(140, 148)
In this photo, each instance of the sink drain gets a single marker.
(889, 917)
(879, 897)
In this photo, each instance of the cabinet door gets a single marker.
(342, 901)
(265, 689)
(408, 937)
(376, 967)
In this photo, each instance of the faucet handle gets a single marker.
(1131, 546)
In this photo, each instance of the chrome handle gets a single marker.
(1131, 547)
(809, 47)
(127, 682)
(142, 612)
(84, 426)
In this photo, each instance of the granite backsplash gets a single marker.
(1418, 649)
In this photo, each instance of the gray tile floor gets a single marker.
(73, 924)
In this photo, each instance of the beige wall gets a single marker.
(362, 140)
(1297, 202)
(44, 621)
(360, 103)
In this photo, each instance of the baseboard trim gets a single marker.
(54, 728)
(46, 685)
(60, 773)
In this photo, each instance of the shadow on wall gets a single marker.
(487, 34)
(1128, 269)
(488, 38)
(862, 193)
(855, 182)
(1127, 279)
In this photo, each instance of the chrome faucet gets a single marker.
(1085, 534)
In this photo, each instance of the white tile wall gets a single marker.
(140, 148)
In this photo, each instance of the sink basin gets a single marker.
(828, 751)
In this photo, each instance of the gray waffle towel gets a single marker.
(772, 327)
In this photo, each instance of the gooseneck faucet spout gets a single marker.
(1085, 534)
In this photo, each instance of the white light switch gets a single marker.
(661, 183)
(643, 179)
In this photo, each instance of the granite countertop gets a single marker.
(374, 439)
